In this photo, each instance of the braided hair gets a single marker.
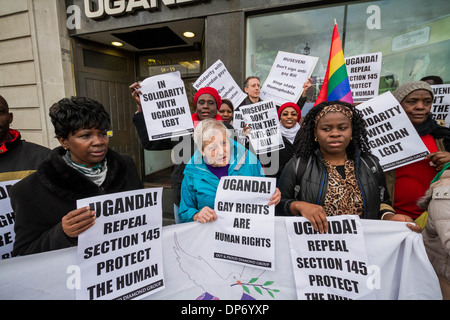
(307, 144)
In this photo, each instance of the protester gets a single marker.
(226, 110)
(338, 174)
(436, 235)
(408, 183)
(218, 155)
(289, 115)
(207, 101)
(18, 158)
(83, 166)
(252, 88)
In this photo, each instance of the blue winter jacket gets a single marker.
(199, 186)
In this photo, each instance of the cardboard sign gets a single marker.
(7, 220)
(392, 137)
(166, 107)
(265, 132)
(244, 230)
(441, 104)
(218, 77)
(120, 256)
(364, 75)
(329, 266)
(286, 78)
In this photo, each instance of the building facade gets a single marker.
(54, 49)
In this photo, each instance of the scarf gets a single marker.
(96, 174)
(290, 133)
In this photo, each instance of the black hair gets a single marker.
(228, 103)
(71, 114)
(4, 103)
(435, 79)
(307, 143)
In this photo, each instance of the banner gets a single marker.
(398, 268)
(218, 77)
(286, 78)
(244, 230)
(120, 256)
(329, 266)
(166, 107)
(265, 132)
(441, 104)
(364, 75)
(392, 137)
(7, 220)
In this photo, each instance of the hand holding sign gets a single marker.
(77, 221)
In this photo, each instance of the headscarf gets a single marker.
(334, 108)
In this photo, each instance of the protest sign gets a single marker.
(286, 78)
(441, 104)
(244, 230)
(120, 256)
(218, 77)
(392, 137)
(166, 107)
(332, 265)
(364, 75)
(7, 219)
(265, 132)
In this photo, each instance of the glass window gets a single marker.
(412, 36)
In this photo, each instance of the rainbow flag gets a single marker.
(336, 85)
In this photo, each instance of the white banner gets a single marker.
(244, 230)
(120, 256)
(265, 132)
(332, 265)
(218, 77)
(287, 76)
(7, 220)
(398, 268)
(392, 137)
(165, 106)
(364, 75)
(441, 104)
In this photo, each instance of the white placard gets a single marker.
(7, 220)
(329, 266)
(441, 104)
(218, 77)
(392, 136)
(244, 230)
(364, 75)
(265, 132)
(287, 76)
(120, 256)
(165, 106)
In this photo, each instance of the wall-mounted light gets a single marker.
(117, 43)
(189, 34)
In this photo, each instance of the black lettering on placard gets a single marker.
(334, 227)
(125, 204)
(247, 185)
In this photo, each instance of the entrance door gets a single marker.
(104, 74)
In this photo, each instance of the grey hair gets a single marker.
(208, 128)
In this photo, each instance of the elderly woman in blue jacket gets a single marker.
(218, 155)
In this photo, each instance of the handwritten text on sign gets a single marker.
(120, 256)
(329, 266)
(244, 230)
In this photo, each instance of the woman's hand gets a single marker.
(275, 198)
(77, 221)
(205, 215)
(404, 218)
(439, 159)
(313, 212)
(135, 92)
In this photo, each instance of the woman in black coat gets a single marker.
(45, 202)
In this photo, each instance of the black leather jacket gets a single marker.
(313, 185)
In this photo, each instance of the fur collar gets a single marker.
(70, 184)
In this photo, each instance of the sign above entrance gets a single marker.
(98, 9)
